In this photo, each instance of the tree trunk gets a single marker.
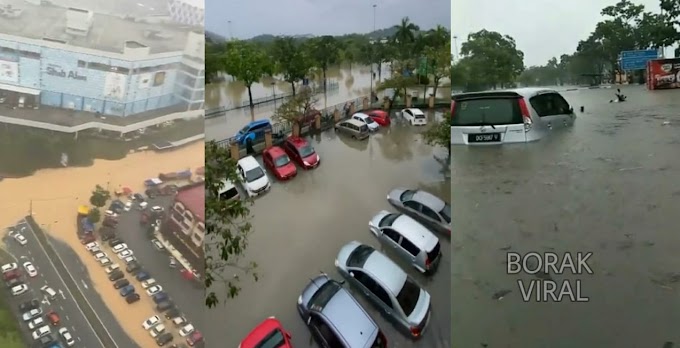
(434, 90)
(379, 71)
(250, 97)
(324, 81)
(292, 85)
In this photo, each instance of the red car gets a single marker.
(13, 274)
(269, 333)
(278, 162)
(380, 117)
(302, 152)
(195, 338)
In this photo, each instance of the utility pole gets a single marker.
(372, 55)
(231, 35)
(455, 48)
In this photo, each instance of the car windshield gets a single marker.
(244, 130)
(407, 195)
(487, 111)
(408, 296)
(369, 120)
(254, 174)
(387, 220)
(322, 296)
(306, 151)
(281, 161)
(359, 256)
(446, 212)
(274, 339)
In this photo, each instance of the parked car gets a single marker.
(164, 306)
(381, 117)
(151, 322)
(11, 275)
(252, 132)
(269, 333)
(277, 161)
(67, 337)
(53, 317)
(30, 269)
(121, 283)
(9, 267)
(142, 276)
(41, 332)
(116, 275)
(410, 240)
(154, 290)
(227, 192)
(28, 305)
(125, 253)
(158, 245)
(111, 268)
(367, 120)
(20, 239)
(114, 242)
(335, 318)
(148, 283)
(195, 338)
(49, 292)
(414, 116)
(157, 330)
(387, 286)
(159, 297)
(302, 152)
(423, 206)
(33, 313)
(133, 267)
(164, 339)
(186, 330)
(126, 290)
(36, 323)
(513, 116)
(132, 298)
(19, 289)
(119, 247)
(352, 128)
(254, 178)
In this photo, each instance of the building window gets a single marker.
(29, 54)
(82, 64)
(189, 70)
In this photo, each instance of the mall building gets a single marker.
(75, 59)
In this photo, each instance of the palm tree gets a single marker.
(438, 36)
(405, 35)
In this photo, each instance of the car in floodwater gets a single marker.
(352, 128)
(372, 125)
(269, 333)
(301, 152)
(277, 161)
(252, 132)
(423, 206)
(381, 117)
(510, 116)
(253, 176)
(414, 116)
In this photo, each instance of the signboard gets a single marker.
(9, 71)
(636, 60)
(663, 73)
(144, 81)
(114, 86)
(58, 71)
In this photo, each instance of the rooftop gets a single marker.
(193, 198)
(108, 33)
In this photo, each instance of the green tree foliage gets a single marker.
(398, 82)
(296, 107)
(324, 52)
(246, 63)
(99, 196)
(439, 63)
(405, 38)
(439, 134)
(227, 228)
(94, 215)
(491, 60)
(291, 61)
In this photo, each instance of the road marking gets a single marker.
(62, 294)
(67, 318)
(85, 285)
(61, 307)
(74, 301)
(29, 251)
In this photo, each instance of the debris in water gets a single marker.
(508, 247)
(628, 169)
(500, 294)
(666, 123)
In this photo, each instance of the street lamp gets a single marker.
(372, 55)
(455, 47)
(274, 93)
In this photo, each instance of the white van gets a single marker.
(254, 177)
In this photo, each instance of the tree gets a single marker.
(494, 59)
(99, 196)
(295, 108)
(94, 215)
(399, 82)
(440, 134)
(439, 62)
(405, 37)
(227, 228)
(324, 51)
(247, 64)
(291, 60)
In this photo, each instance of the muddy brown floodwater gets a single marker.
(607, 186)
(56, 195)
(300, 225)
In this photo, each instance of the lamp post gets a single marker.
(455, 48)
(231, 36)
(274, 94)
(372, 55)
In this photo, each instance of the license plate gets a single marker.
(484, 138)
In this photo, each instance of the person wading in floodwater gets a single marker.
(619, 96)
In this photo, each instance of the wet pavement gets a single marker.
(299, 226)
(607, 186)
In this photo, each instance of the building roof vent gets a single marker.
(78, 21)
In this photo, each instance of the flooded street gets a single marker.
(607, 186)
(300, 226)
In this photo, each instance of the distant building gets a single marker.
(184, 226)
(187, 12)
(74, 59)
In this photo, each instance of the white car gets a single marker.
(186, 330)
(30, 269)
(148, 283)
(95, 250)
(36, 323)
(154, 290)
(415, 117)
(124, 254)
(110, 213)
(41, 332)
(143, 205)
(21, 239)
(48, 291)
(180, 321)
(157, 330)
(367, 120)
(128, 206)
(28, 316)
(91, 245)
(9, 267)
(129, 259)
(151, 322)
(157, 244)
(157, 209)
(254, 177)
(112, 268)
(119, 247)
(19, 289)
(105, 261)
(70, 342)
(100, 255)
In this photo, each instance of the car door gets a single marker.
(374, 291)
(410, 250)
(430, 216)
(553, 111)
(324, 335)
(390, 236)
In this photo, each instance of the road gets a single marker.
(610, 186)
(300, 225)
(65, 304)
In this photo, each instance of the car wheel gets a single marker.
(412, 123)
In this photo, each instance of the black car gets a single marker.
(165, 305)
(133, 267)
(14, 282)
(28, 305)
(164, 339)
(152, 193)
(121, 283)
(138, 197)
(116, 275)
(132, 298)
(114, 242)
(143, 275)
(173, 313)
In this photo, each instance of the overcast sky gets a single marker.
(335, 17)
(542, 28)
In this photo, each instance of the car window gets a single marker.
(412, 205)
(363, 128)
(244, 130)
(359, 256)
(408, 112)
(273, 339)
(328, 335)
(254, 174)
(429, 213)
(281, 161)
(549, 104)
(306, 150)
(387, 220)
(408, 296)
(323, 295)
(487, 111)
(392, 234)
(406, 195)
(373, 287)
(408, 246)
(446, 213)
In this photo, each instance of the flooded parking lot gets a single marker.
(607, 186)
(300, 226)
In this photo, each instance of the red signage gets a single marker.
(663, 73)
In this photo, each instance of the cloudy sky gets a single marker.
(542, 28)
(298, 17)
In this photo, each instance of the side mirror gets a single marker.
(288, 336)
(571, 110)
(309, 320)
(351, 274)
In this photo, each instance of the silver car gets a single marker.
(425, 207)
(409, 239)
(509, 116)
(387, 286)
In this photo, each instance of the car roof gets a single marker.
(386, 271)
(275, 151)
(354, 122)
(360, 114)
(259, 122)
(415, 110)
(349, 319)
(429, 200)
(297, 141)
(526, 92)
(261, 331)
(248, 163)
(415, 232)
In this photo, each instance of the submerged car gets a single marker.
(277, 161)
(414, 116)
(372, 125)
(302, 152)
(423, 206)
(254, 178)
(381, 117)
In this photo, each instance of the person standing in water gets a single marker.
(619, 96)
